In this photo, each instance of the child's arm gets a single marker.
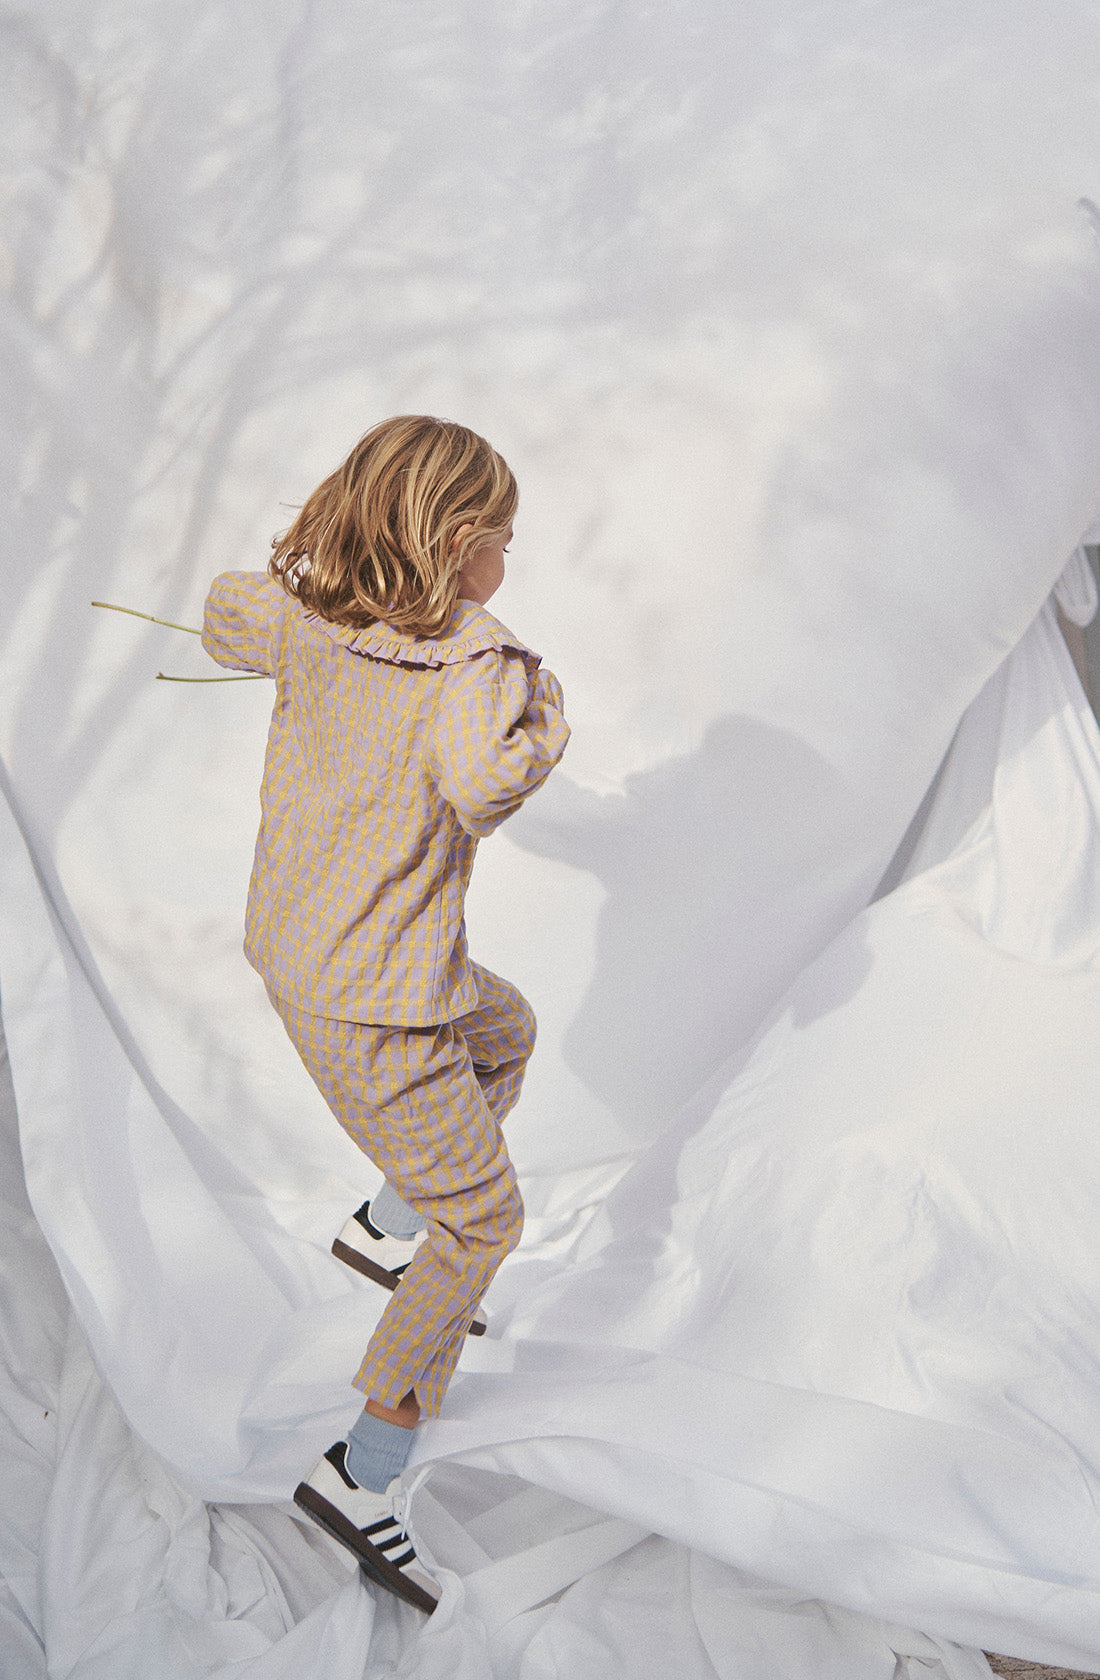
(499, 732)
(241, 612)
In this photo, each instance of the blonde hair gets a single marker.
(377, 539)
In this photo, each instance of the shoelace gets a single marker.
(403, 1500)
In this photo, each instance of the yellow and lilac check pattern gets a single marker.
(388, 757)
(427, 1105)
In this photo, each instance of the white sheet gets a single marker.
(799, 466)
(840, 1324)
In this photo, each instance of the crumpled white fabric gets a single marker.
(867, 1248)
(799, 469)
(834, 1333)
(112, 1571)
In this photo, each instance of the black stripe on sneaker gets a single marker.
(374, 1563)
(336, 1456)
(363, 1218)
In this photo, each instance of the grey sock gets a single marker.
(394, 1216)
(377, 1451)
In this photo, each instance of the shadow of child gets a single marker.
(721, 872)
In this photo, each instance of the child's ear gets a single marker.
(460, 537)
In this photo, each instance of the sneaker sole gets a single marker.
(378, 1274)
(374, 1564)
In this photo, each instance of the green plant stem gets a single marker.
(191, 631)
(252, 676)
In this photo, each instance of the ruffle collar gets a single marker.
(471, 631)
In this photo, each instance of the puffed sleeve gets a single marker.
(499, 731)
(242, 614)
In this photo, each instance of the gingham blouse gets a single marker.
(388, 756)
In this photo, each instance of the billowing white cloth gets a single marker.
(836, 1331)
(866, 1251)
(800, 465)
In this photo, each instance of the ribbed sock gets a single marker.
(377, 1451)
(395, 1216)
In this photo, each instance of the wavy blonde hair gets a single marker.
(377, 539)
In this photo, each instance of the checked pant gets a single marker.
(427, 1104)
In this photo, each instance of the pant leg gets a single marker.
(500, 1035)
(412, 1100)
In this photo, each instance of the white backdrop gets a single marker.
(786, 317)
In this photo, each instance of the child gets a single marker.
(408, 722)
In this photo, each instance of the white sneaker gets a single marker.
(372, 1525)
(377, 1255)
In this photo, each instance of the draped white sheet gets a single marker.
(814, 1394)
(840, 1325)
